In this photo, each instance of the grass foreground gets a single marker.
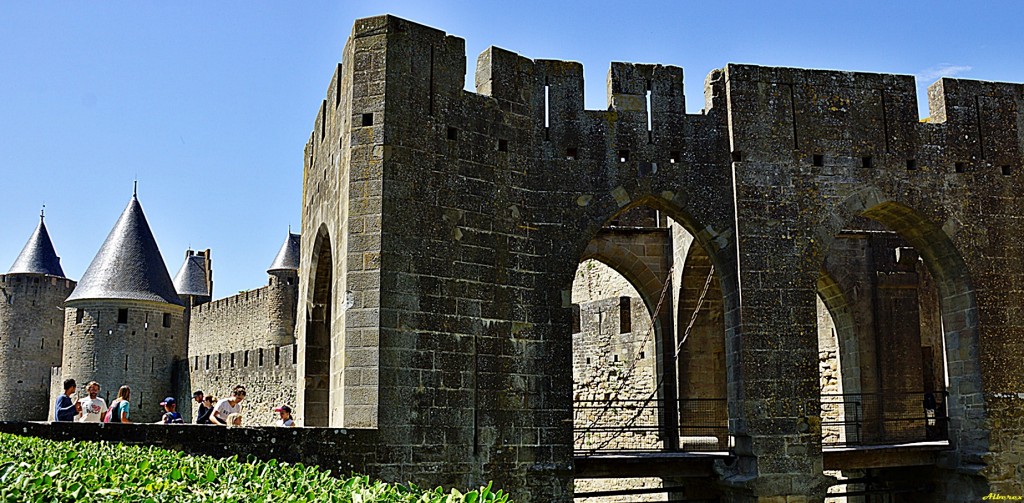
(39, 470)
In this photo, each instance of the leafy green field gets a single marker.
(33, 469)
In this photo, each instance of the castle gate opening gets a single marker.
(316, 402)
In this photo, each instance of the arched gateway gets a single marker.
(457, 220)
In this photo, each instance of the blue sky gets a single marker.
(209, 104)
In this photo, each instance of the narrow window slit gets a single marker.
(911, 164)
(502, 145)
(819, 160)
(866, 162)
(649, 112)
(430, 98)
(625, 323)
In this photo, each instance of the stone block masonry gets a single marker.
(442, 229)
(268, 375)
(259, 318)
(31, 341)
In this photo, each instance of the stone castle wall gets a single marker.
(31, 333)
(268, 375)
(259, 318)
(140, 352)
(610, 364)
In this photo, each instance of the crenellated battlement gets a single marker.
(254, 297)
(281, 357)
(35, 284)
(871, 121)
(428, 208)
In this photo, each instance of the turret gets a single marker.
(284, 291)
(124, 321)
(32, 297)
(194, 281)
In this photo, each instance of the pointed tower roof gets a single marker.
(287, 258)
(191, 278)
(38, 255)
(129, 265)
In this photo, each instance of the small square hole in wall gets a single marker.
(453, 134)
(818, 159)
(368, 119)
(572, 153)
(675, 157)
(737, 156)
(959, 167)
(867, 162)
(588, 360)
(1007, 170)
(623, 156)
(616, 358)
(502, 145)
(911, 164)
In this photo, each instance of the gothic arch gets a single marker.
(958, 304)
(318, 338)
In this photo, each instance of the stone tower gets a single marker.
(194, 281)
(284, 292)
(124, 321)
(32, 297)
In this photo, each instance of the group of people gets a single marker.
(93, 409)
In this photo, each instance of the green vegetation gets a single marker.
(33, 469)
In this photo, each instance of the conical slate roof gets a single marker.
(287, 258)
(38, 255)
(191, 278)
(129, 265)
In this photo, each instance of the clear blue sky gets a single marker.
(209, 103)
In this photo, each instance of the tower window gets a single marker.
(167, 320)
(625, 323)
(79, 314)
(122, 316)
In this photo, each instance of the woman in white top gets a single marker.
(228, 406)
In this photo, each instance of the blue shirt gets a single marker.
(64, 409)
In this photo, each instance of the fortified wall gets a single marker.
(442, 229)
(246, 321)
(267, 373)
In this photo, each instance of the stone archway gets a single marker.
(957, 303)
(316, 399)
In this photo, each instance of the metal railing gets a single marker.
(635, 426)
(851, 419)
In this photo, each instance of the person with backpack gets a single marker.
(120, 408)
(171, 416)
